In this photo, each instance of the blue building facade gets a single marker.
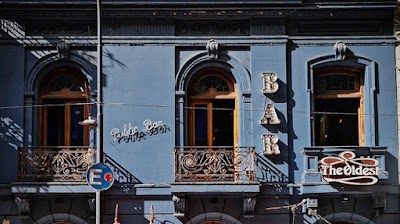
(212, 111)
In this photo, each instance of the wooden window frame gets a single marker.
(207, 98)
(357, 93)
(69, 97)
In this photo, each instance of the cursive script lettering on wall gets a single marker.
(132, 133)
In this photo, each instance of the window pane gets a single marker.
(210, 82)
(223, 122)
(200, 128)
(77, 112)
(336, 122)
(66, 82)
(334, 82)
(55, 125)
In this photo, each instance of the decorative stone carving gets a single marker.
(92, 207)
(270, 143)
(340, 50)
(379, 200)
(57, 29)
(212, 48)
(270, 84)
(23, 207)
(63, 49)
(249, 203)
(396, 19)
(239, 28)
(138, 29)
(277, 27)
(270, 114)
(180, 206)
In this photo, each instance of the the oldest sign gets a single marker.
(347, 169)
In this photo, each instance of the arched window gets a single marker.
(62, 96)
(338, 106)
(212, 104)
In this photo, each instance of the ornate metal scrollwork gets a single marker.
(215, 164)
(54, 164)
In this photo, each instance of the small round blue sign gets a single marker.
(100, 176)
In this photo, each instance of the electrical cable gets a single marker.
(188, 107)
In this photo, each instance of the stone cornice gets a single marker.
(242, 11)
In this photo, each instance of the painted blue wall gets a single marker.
(139, 86)
(140, 82)
(270, 59)
(379, 70)
(11, 112)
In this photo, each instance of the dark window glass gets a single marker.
(55, 123)
(201, 125)
(65, 82)
(336, 122)
(334, 82)
(77, 113)
(210, 82)
(223, 122)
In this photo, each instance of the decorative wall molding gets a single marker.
(396, 19)
(92, 207)
(217, 29)
(343, 27)
(180, 206)
(63, 49)
(49, 29)
(270, 28)
(246, 97)
(249, 203)
(138, 29)
(23, 204)
(340, 50)
(379, 200)
(212, 48)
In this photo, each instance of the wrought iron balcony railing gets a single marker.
(222, 163)
(54, 164)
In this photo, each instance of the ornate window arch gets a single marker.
(358, 72)
(338, 106)
(63, 96)
(212, 108)
(34, 79)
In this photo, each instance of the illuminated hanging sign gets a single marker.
(347, 169)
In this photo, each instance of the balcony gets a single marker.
(215, 164)
(215, 171)
(54, 164)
